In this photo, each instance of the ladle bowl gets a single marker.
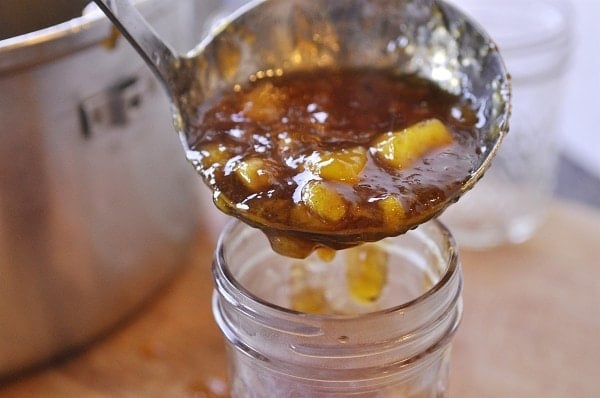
(428, 38)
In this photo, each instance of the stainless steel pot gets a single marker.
(97, 204)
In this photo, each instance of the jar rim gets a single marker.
(557, 28)
(447, 276)
(50, 43)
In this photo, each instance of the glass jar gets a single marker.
(395, 344)
(509, 204)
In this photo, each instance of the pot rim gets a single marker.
(47, 44)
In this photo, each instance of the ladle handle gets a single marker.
(155, 52)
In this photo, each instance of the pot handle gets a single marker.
(144, 39)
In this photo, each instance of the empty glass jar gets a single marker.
(317, 328)
(509, 204)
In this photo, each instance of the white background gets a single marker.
(580, 128)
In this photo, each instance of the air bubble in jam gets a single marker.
(335, 157)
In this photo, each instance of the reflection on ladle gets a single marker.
(429, 39)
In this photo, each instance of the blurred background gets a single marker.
(579, 171)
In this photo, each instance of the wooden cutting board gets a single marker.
(531, 328)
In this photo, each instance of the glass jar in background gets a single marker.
(509, 203)
(346, 343)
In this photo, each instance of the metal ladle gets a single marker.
(429, 38)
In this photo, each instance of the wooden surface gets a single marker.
(531, 328)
